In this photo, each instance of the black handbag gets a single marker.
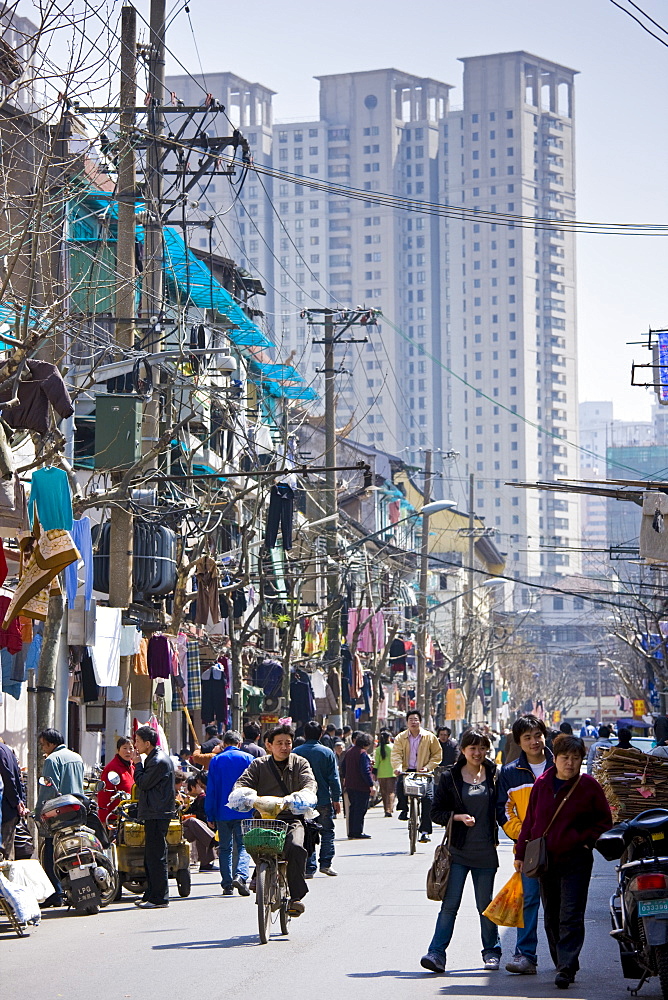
(312, 831)
(535, 852)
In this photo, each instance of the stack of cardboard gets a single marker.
(632, 781)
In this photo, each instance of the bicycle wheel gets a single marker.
(264, 882)
(412, 824)
(283, 915)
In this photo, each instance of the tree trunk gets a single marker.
(48, 662)
(377, 674)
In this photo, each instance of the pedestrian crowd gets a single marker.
(537, 787)
(552, 812)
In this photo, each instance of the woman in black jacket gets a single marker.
(467, 793)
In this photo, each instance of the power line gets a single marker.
(514, 413)
(638, 21)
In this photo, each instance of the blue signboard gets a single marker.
(662, 380)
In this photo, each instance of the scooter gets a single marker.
(87, 874)
(639, 907)
(128, 835)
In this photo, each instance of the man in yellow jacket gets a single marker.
(415, 749)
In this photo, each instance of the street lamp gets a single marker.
(425, 512)
(433, 507)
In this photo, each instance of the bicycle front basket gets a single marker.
(264, 836)
(416, 786)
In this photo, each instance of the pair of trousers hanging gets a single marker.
(281, 506)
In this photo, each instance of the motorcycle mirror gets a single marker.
(113, 778)
(99, 785)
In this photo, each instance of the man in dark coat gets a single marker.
(13, 804)
(449, 747)
(157, 805)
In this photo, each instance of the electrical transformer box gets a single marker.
(118, 431)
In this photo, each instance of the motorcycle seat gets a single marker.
(649, 821)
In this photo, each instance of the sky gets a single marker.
(621, 126)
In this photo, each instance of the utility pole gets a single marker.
(153, 262)
(346, 320)
(471, 534)
(599, 717)
(424, 580)
(331, 509)
(121, 536)
(152, 277)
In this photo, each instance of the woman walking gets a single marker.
(358, 782)
(385, 771)
(570, 810)
(466, 794)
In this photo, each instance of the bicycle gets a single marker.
(416, 787)
(264, 839)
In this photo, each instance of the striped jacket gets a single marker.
(514, 788)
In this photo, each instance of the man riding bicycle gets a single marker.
(415, 749)
(285, 775)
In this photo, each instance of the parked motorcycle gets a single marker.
(639, 907)
(82, 852)
(128, 835)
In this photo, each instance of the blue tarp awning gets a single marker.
(278, 373)
(289, 391)
(192, 281)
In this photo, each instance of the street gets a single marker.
(362, 934)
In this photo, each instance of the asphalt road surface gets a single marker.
(362, 935)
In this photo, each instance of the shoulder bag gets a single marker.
(439, 873)
(535, 853)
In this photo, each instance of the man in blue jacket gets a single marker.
(224, 770)
(323, 765)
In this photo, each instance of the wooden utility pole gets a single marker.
(152, 277)
(331, 509)
(153, 257)
(346, 320)
(121, 535)
(424, 582)
(471, 542)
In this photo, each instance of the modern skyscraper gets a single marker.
(488, 296)
(513, 332)
(595, 436)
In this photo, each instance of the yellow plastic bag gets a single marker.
(507, 907)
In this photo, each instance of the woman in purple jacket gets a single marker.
(573, 831)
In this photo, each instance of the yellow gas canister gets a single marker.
(174, 832)
(133, 834)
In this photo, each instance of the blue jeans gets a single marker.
(527, 936)
(483, 885)
(326, 820)
(231, 842)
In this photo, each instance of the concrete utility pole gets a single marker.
(424, 581)
(347, 320)
(471, 542)
(331, 509)
(121, 535)
(152, 277)
(153, 257)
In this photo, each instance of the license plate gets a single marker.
(84, 890)
(653, 908)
